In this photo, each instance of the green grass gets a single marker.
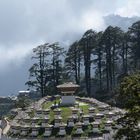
(47, 105)
(66, 112)
(84, 108)
(51, 116)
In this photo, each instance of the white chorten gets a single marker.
(67, 91)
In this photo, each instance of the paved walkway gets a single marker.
(5, 130)
(0, 132)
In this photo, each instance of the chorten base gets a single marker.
(67, 100)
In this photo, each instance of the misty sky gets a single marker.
(25, 24)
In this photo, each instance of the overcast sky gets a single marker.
(24, 24)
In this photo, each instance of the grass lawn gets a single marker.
(47, 105)
(51, 116)
(66, 112)
(84, 108)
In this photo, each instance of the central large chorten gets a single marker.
(68, 90)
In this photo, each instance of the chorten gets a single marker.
(68, 90)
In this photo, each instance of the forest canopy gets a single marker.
(98, 61)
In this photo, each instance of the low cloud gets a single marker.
(26, 24)
(13, 57)
(93, 20)
(129, 9)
